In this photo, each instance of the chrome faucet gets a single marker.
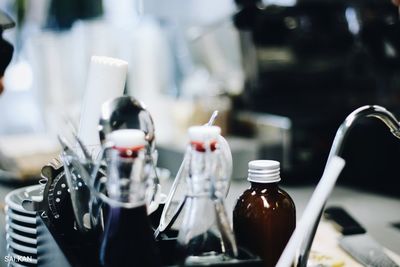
(366, 111)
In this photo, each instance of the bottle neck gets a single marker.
(255, 185)
(126, 178)
(203, 178)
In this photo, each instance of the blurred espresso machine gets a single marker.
(307, 67)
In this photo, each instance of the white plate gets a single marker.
(22, 238)
(8, 208)
(21, 218)
(16, 242)
(14, 264)
(17, 222)
(14, 198)
(21, 247)
(21, 228)
(16, 255)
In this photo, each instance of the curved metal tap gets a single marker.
(337, 146)
(366, 111)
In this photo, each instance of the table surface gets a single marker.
(375, 212)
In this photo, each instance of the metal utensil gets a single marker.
(168, 216)
(83, 148)
(356, 241)
(126, 112)
(56, 204)
(214, 115)
(78, 178)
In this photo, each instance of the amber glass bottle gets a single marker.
(264, 216)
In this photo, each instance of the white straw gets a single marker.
(106, 80)
(312, 211)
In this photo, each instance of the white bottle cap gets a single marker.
(203, 133)
(127, 138)
(264, 171)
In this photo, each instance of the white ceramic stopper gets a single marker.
(203, 133)
(127, 138)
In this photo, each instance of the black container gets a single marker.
(55, 249)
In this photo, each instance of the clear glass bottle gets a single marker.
(128, 238)
(264, 217)
(205, 235)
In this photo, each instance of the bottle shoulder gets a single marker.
(265, 198)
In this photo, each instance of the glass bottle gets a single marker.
(205, 235)
(264, 217)
(171, 217)
(128, 238)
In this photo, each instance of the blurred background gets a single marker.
(283, 74)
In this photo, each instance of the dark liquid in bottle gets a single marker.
(128, 239)
(264, 218)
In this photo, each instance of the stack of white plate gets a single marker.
(21, 226)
